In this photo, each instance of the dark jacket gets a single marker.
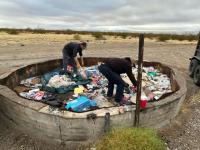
(71, 49)
(119, 66)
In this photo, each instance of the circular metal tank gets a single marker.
(74, 128)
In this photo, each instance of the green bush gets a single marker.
(130, 139)
(77, 37)
(163, 38)
(98, 36)
(13, 32)
(124, 35)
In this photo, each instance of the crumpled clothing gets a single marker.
(34, 94)
(60, 80)
(33, 82)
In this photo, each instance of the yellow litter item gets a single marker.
(78, 90)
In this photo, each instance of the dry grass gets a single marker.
(30, 38)
(195, 98)
(34, 38)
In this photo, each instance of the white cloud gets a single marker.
(126, 15)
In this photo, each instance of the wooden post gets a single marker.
(139, 80)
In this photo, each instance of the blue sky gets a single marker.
(104, 15)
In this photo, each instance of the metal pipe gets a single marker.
(107, 122)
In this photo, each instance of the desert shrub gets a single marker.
(185, 37)
(130, 139)
(40, 31)
(191, 38)
(98, 36)
(124, 35)
(58, 32)
(163, 38)
(149, 37)
(77, 37)
(181, 38)
(13, 32)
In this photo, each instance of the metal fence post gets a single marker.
(139, 80)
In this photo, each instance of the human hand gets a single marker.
(83, 64)
(126, 85)
(134, 88)
(78, 67)
(70, 68)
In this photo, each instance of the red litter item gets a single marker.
(134, 88)
(143, 102)
(69, 68)
(94, 80)
(38, 95)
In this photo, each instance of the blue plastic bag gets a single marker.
(80, 104)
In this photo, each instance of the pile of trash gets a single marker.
(86, 89)
(154, 83)
(60, 80)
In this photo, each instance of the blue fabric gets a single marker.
(63, 89)
(80, 104)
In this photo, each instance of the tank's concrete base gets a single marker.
(74, 128)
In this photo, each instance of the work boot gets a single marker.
(124, 102)
(111, 100)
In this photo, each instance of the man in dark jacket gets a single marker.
(70, 51)
(111, 69)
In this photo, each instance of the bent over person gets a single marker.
(70, 51)
(111, 69)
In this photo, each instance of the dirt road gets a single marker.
(185, 129)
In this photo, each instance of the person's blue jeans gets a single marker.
(113, 78)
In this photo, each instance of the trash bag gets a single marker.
(80, 104)
(62, 89)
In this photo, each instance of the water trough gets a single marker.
(74, 128)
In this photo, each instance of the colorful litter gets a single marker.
(86, 90)
(80, 104)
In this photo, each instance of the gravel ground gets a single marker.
(182, 133)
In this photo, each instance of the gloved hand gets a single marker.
(126, 88)
(126, 85)
(134, 88)
(70, 69)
